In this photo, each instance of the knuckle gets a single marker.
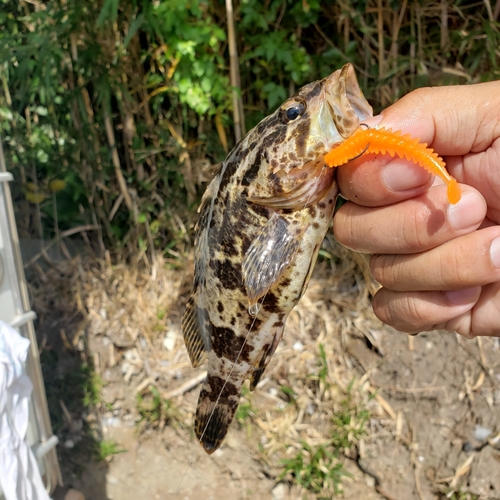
(398, 310)
(417, 99)
(456, 269)
(381, 267)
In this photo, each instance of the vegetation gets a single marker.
(154, 410)
(106, 449)
(317, 469)
(112, 112)
(319, 466)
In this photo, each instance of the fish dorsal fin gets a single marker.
(196, 338)
(269, 255)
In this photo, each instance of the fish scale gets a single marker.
(261, 223)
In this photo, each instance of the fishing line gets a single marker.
(220, 392)
(366, 127)
(239, 353)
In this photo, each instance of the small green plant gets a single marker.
(92, 386)
(107, 448)
(245, 411)
(349, 424)
(317, 469)
(289, 393)
(321, 378)
(155, 411)
(460, 495)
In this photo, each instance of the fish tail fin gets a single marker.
(214, 414)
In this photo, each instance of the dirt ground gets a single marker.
(433, 400)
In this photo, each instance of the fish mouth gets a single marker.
(346, 103)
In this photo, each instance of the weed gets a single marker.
(107, 448)
(289, 393)
(155, 411)
(317, 469)
(245, 411)
(91, 385)
(349, 424)
(461, 495)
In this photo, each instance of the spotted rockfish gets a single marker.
(261, 223)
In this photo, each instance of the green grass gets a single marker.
(155, 410)
(461, 495)
(317, 469)
(107, 448)
(92, 385)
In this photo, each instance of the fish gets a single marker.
(261, 222)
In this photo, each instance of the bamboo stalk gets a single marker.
(397, 22)
(239, 127)
(116, 160)
(412, 46)
(444, 24)
(380, 33)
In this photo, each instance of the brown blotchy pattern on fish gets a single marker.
(271, 199)
(227, 344)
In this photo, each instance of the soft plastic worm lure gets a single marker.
(386, 141)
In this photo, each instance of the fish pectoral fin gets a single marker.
(269, 255)
(196, 338)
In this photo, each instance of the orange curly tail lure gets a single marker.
(393, 143)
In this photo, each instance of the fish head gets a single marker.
(295, 138)
(321, 115)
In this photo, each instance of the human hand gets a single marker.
(438, 264)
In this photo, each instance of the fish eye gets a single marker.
(293, 111)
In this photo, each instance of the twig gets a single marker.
(487, 3)
(147, 381)
(417, 483)
(186, 386)
(496, 13)
(64, 234)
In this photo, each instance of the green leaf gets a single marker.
(136, 24)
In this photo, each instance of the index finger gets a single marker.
(454, 121)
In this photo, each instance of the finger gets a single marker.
(411, 226)
(469, 260)
(374, 181)
(482, 171)
(486, 313)
(453, 120)
(414, 312)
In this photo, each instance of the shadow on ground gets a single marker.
(72, 382)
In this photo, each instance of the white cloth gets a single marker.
(19, 475)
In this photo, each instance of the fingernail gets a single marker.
(373, 121)
(468, 212)
(399, 175)
(464, 296)
(495, 252)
